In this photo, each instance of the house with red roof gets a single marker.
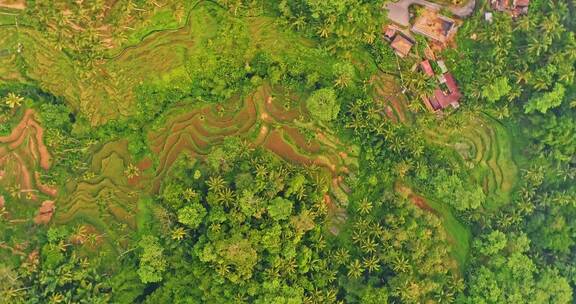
(515, 7)
(427, 68)
(446, 95)
(399, 41)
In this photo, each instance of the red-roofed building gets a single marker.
(441, 99)
(515, 7)
(427, 68)
(402, 45)
(389, 33)
(451, 84)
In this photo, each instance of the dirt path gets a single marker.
(399, 12)
(22, 153)
(417, 200)
(13, 4)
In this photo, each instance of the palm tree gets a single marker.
(13, 100)
(443, 296)
(341, 256)
(298, 23)
(343, 80)
(189, 194)
(369, 245)
(370, 36)
(325, 30)
(261, 171)
(355, 269)
(56, 298)
(551, 25)
(216, 183)
(226, 196)
(331, 295)
(537, 47)
(132, 171)
(522, 76)
(178, 234)
(400, 264)
(365, 206)
(372, 263)
(524, 23)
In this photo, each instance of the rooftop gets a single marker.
(434, 26)
(402, 45)
(427, 68)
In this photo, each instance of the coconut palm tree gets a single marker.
(13, 100)
(371, 263)
(178, 234)
(368, 245)
(400, 264)
(341, 256)
(226, 196)
(365, 206)
(355, 269)
(216, 183)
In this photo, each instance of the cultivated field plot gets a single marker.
(23, 159)
(271, 118)
(485, 147)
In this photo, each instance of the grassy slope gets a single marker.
(459, 232)
(485, 146)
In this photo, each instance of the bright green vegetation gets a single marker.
(484, 146)
(255, 151)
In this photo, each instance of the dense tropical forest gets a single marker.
(279, 151)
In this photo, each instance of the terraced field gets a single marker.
(103, 200)
(270, 118)
(389, 93)
(103, 90)
(485, 147)
(23, 159)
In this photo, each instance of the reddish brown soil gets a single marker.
(50, 191)
(45, 213)
(420, 202)
(13, 4)
(261, 136)
(279, 113)
(196, 131)
(300, 140)
(328, 201)
(416, 199)
(21, 154)
(275, 143)
(398, 108)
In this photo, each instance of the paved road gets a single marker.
(398, 12)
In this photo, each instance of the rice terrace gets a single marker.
(287, 151)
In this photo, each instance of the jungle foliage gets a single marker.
(418, 221)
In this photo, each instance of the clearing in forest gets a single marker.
(388, 92)
(271, 118)
(484, 146)
(458, 234)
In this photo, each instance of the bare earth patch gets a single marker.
(13, 4)
(22, 156)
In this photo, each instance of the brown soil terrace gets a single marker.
(22, 155)
(13, 4)
(198, 130)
